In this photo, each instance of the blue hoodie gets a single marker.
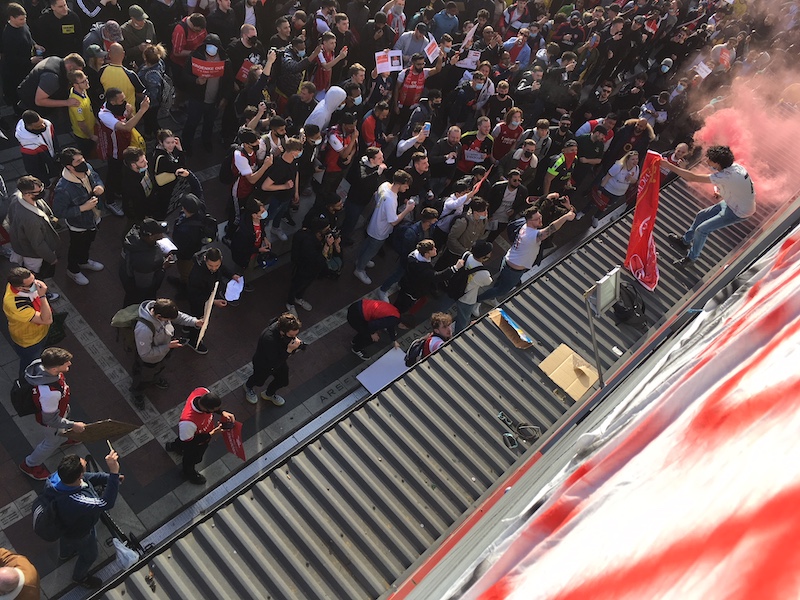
(79, 506)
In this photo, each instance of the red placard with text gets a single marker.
(210, 69)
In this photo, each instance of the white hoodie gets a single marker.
(35, 143)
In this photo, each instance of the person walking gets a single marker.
(51, 397)
(736, 197)
(196, 428)
(275, 344)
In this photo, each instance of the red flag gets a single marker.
(641, 260)
(233, 440)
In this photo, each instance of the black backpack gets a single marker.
(630, 308)
(415, 350)
(227, 174)
(457, 284)
(22, 397)
(46, 522)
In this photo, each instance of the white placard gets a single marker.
(474, 156)
(384, 370)
(432, 51)
(166, 245)
(234, 289)
(471, 61)
(388, 61)
(470, 35)
(702, 69)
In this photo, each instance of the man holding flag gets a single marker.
(734, 189)
(196, 428)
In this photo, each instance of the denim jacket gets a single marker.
(69, 194)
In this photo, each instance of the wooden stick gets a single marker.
(110, 449)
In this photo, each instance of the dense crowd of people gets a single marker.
(439, 126)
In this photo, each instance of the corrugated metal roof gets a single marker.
(349, 513)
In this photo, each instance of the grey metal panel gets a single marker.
(350, 512)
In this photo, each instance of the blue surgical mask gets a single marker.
(358, 101)
(664, 68)
(515, 123)
(301, 53)
(142, 169)
(679, 88)
(482, 217)
(479, 86)
(301, 154)
(211, 49)
(264, 214)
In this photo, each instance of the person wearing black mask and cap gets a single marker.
(207, 75)
(561, 135)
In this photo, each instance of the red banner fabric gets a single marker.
(641, 260)
(210, 69)
(241, 76)
(233, 440)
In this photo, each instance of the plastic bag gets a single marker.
(126, 557)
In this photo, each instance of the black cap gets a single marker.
(482, 248)
(151, 227)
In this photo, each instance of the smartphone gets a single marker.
(426, 128)
(183, 341)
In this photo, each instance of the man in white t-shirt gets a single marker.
(383, 221)
(734, 189)
(524, 250)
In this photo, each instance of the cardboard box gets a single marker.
(513, 332)
(570, 371)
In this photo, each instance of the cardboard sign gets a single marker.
(102, 430)
(210, 69)
(233, 440)
(207, 313)
(569, 371)
(388, 61)
(513, 332)
(471, 61)
(432, 51)
(702, 69)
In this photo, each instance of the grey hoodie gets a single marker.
(153, 344)
(35, 374)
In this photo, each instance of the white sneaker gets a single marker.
(78, 278)
(370, 264)
(476, 310)
(92, 265)
(278, 233)
(250, 395)
(383, 296)
(276, 399)
(292, 309)
(302, 304)
(362, 277)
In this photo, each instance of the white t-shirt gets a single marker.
(380, 225)
(525, 249)
(736, 188)
(618, 184)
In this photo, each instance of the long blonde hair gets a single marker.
(623, 162)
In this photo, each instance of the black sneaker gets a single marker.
(360, 354)
(195, 477)
(173, 447)
(200, 348)
(161, 384)
(684, 262)
(138, 401)
(677, 241)
(290, 221)
(89, 582)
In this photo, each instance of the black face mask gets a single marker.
(39, 195)
(563, 127)
(82, 168)
(116, 109)
(527, 153)
(436, 105)
(37, 131)
(252, 40)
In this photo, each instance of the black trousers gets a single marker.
(261, 372)
(193, 451)
(356, 320)
(79, 244)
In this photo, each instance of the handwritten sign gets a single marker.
(702, 69)
(210, 69)
(432, 51)
(474, 156)
(471, 61)
(388, 61)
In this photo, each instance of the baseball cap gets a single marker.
(137, 12)
(639, 19)
(95, 51)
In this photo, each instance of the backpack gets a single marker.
(167, 96)
(457, 284)
(227, 172)
(46, 522)
(630, 307)
(513, 228)
(416, 349)
(125, 320)
(22, 397)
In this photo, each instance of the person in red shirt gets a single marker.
(507, 133)
(325, 62)
(187, 36)
(368, 317)
(342, 146)
(196, 428)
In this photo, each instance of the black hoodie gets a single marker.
(196, 90)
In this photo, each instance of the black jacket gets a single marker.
(421, 279)
(243, 242)
(271, 349)
(201, 282)
(188, 235)
(307, 258)
(364, 181)
(223, 24)
(496, 197)
(198, 91)
(142, 264)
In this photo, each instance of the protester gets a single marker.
(369, 317)
(275, 345)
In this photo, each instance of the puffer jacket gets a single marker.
(70, 193)
(142, 264)
(152, 341)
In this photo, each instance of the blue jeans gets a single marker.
(369, 248)
(708, 220)
(277, 210)
(86, 547)
(507, 279)
(463, 316)
(27, 355)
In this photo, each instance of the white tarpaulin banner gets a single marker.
(690, 489)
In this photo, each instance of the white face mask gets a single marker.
(264, 214)
(31, 292)
(211, 50)
(318, 142)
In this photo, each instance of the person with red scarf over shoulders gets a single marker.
(196, 428)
